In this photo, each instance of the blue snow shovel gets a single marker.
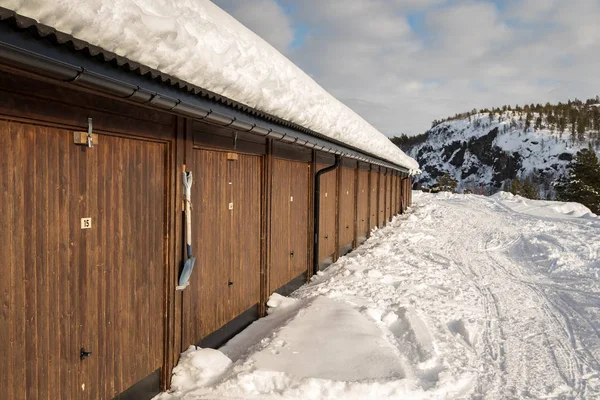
(189, 263)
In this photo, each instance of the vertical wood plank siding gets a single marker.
(124, 278)
(244, 242)
(362, 204)
(397, 186)
(64, 288)
(266, 210)
(299, 218)
(346, 208)
(381, 206)
(403, 197)
(373, 198)
(327, 223)
(388, 196)
(173, 345)
(226, 242)
(279, 270)
(289, 222)
(397, 195)
(393, 195)
(205, 300)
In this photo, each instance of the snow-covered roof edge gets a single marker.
(199, 43)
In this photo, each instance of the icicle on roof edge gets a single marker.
(197, 42)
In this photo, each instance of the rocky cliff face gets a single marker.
(479, 152)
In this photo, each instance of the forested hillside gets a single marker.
(491, 149)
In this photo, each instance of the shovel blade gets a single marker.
(187, 271)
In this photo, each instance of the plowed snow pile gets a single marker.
(462, 297)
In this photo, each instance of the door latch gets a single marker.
(84, 354)
(90, 140)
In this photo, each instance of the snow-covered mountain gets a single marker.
(483, 151)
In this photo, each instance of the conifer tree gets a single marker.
(538, 123)
(446, 183)
(515, 187)
(529, 190)
(582, 182)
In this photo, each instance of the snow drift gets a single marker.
(463, 297)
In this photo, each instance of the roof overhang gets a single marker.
(36, 48)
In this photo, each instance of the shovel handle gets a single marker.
(188, 223)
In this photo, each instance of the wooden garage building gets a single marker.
(91, 238)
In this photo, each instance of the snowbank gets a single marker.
(196, 41)
(543, 208)
(462, 297)
(198, 367)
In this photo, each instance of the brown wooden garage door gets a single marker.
(373, 198)
(362, 205)
(327, 216)
(382, 200)
(63, 288)
(226, 241)
(388, 196)
(394, 193)
(289, 222)
(347, 211)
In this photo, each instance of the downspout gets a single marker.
(317, 209)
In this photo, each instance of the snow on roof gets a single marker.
(196, 41)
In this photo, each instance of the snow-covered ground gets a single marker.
(462, 297)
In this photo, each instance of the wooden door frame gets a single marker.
(266, 209)
(180, 151)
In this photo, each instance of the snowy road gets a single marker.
(537, 282)
(463, 297)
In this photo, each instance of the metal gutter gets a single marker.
(61, 63)
(317, 210)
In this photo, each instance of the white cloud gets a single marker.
(468, 30)
(532, 10)
(465, 54)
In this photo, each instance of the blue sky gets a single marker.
(402, 63)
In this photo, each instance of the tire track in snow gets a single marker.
(489, 270)
(582, 363)
(559, 333)
(590, 360)
(492, 335)
(565, 359)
